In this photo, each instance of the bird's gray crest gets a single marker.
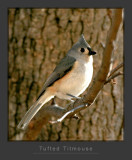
(82, 41)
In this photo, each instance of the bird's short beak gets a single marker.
(92, 53)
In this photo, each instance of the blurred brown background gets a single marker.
(38, 39)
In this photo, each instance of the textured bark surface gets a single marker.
(38, 39)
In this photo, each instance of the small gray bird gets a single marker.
(69, 79)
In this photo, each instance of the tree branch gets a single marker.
(42, 118)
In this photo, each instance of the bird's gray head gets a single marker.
(81, 49)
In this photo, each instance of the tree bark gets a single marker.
(38, 39)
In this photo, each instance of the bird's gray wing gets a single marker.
(61, 69)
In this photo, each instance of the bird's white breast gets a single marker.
(77, 80)
(84, 76)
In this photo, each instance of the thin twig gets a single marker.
(113, 76)
(67, 113)
(115, 69)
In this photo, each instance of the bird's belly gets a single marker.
(75, 83)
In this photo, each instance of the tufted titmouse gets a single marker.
(69, 79)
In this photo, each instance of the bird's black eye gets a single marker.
(82, 50)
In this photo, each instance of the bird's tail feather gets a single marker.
(33, 110)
